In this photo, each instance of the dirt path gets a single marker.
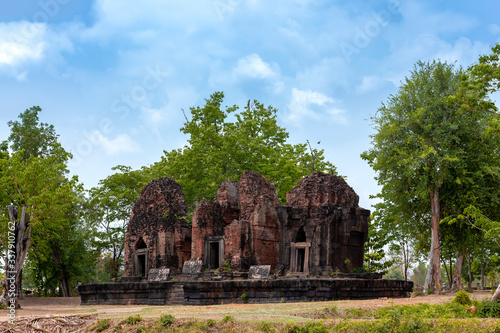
(41, 306)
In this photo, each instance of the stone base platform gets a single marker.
(241, 291)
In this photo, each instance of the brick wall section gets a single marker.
(157, 219)
(207, 221)
(321, 189)
(237, 245)
(228, 197)
(254, 189)
(325, 208)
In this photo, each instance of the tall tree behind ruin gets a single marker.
(219, 149)
(421, 143)
(109, 207)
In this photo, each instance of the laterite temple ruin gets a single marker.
(320, 229)
(303, 245)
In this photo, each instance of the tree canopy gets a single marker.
(426, 149)
(223, 142)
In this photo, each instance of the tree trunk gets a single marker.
(405, 261)
(496, 295)
(433, 278)
(446, 270)
(19, 240)
(469, 284)
(482, 276)
(457, 276)
(450, 276)
(63, 279)
(428, 277)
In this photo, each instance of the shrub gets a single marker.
(101, 325)
(488, 309)
(227, 319)
(244, 297)
(133, 319)
(462, 298)
(359, 270)
(311, 327)
(167, 320)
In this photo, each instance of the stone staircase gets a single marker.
(176, 295)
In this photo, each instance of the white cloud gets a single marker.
(312, 104)
(24, 44)
(21, 42)
(122, 143)
(252, 66)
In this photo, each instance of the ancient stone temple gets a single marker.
(320, 230)
(305, 250)
(157, 236)
(323, 228)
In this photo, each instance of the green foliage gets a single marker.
(101, 325)
(311, 327)
(225, 267)
(425, 148)
(425, 310)
(488, 309)
(35, 175)
(244, 297)
(227, 319)
(394, 274)
(32, 137)
(219, 149)
(266, 327)
(108, 212)
(462, 298)
(166, 320)
(356, 313)
(419, 273)
(360, 270)
(133, 319)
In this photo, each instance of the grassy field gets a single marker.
(434, 313)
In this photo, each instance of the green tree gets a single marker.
(422, 143)
(30, 135)
(39, 186)
(109, 210)
(34, 181)
(419, 273)
(219, 149)
(61, 256)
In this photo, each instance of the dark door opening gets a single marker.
(301, 255)
(214, 255)
(141, 265)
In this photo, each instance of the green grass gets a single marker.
(458, 315)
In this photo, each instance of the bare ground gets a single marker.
(54, 314)
(42, 306)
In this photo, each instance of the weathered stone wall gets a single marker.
(207, 221)
(259, 291)
(258, 244)
(156, 225)
(228, 197)
(322, 218)
(237, 245)
(321, 229)
(321, 189)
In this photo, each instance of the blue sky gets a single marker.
(112, 76)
